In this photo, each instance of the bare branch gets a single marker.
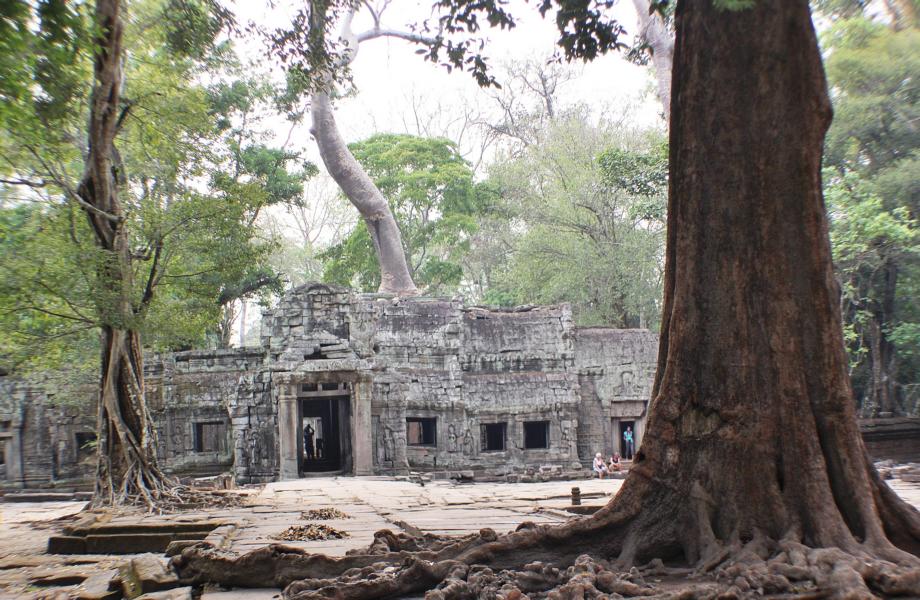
(378, 32)
(27, 182)
(153, 276)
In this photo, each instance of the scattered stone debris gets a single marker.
(310, 531)
(889, 469)
(323, 514)
(185, 498)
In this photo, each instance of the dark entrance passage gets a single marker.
(325, 414)
(627, 443)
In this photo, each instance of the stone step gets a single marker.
(46, 496)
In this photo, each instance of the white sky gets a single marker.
(387, 71)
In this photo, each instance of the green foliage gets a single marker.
(734, 5)
(196, 245)
(191, 26)
(585, 224)
(41, 47)
(872, 72)
(43, 289)
(434, 201)
(872, 187)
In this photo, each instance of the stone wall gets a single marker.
(616, 368)
(483, 381)
(214, 411)
(466, 367)
(47, 433)
(894, 438)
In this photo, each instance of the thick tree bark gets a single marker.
(752, 467)
(364, 195)
(127, 467)
(654, 32)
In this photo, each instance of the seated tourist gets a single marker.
(599, 466)
(614, 463)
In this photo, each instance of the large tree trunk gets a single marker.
(753, 414)
(127, 467)
(364, 195)
(752, 466)
(655, 34)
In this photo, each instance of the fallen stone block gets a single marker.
(177, 546)
(105, 585)
(58, 579)
(38, 497)
(147, 573)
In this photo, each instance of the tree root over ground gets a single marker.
(536, 562)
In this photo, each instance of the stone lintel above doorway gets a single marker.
(286, 373)
(628, 408)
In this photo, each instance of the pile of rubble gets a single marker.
(309, 532)
(323, 514)
(889, 469)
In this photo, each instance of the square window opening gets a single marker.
(210, 437)
(493, 436)
(536, 434)
(421, 431)
(86, 442)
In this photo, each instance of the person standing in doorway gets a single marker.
(628, 445)
(308, 434)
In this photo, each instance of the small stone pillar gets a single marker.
(576, 496)
(361, 431)
(288, 417)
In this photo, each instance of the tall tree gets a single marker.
(657, 40)
(120, 239)
(433, 198)
(318, 61)
(127, 456)
(752, 467)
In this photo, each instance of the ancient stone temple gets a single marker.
(363, 384)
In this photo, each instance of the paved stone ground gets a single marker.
(373, 503)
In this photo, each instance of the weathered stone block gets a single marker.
(66, 544)
(147, 573)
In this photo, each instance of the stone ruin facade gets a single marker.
(387, 386)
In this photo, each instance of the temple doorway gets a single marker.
(627, 450)
(325, 425)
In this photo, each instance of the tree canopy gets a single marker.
(192, 165)
(585, 222)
